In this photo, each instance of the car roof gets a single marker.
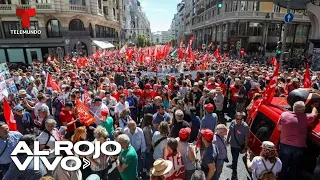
(280, 105)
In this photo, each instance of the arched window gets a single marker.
(76, 25)
(91, 30)
(53, 28)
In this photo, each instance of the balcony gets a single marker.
(11, 8)
(75, 33)
(44, 6)
(78, 8)
(248, 15)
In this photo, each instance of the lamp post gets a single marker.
(284, 41)
(266, 32)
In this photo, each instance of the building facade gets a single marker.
(135, 21)
(256, 25)
(161, 37)
(67, 25)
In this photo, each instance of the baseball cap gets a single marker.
(184, 133)
(18, 108)
(147, 86)
(209, 107)
(207, 134)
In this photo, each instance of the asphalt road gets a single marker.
(227, 171)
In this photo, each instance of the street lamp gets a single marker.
(266, 32)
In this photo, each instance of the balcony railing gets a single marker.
(11, 8)
(247, 15)
(78, 8)
(44, 6)
(23, 6)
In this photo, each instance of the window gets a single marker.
(77, 2)
(33, 26)
(25, 1)
(233, 29)
(114, 13)
(105, 10)
(53, 28)
(5, 1)
(91, 30)
(276, 8)
(15, 55)
(100, 4)
(262, 127)
(243, 6)
(76, 25)
(256, 6)
(255, 29)
(7, 26)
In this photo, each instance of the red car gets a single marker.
(264, 126)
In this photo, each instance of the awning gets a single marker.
(103, 44)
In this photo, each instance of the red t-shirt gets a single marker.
(148, 97)
(170, 86)
(178, 169)
(212, 86)
(138, 94)
(67, 116)
(223, 88)
(233, 91)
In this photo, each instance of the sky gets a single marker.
(160, 13)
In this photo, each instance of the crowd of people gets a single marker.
(162, 125)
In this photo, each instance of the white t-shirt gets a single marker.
(119, 107)
(258, 167)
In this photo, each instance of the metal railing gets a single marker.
(44, 6)
(78, 8)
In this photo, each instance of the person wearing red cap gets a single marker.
(148, 94)
(187, 151)
(209, 121)
(210, 154)
(171, 83)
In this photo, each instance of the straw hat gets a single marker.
(161, 167)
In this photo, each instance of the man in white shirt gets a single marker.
(137, 141)
(42, 103)
(110, 102)
(121, 105)
(96, 109)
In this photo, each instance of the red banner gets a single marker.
(84, 113)
(8, 115)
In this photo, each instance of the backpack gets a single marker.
(267, 174)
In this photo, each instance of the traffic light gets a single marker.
(279, 47)
(219, 4)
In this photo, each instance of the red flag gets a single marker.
(180, 50)
(274, 61)
(269, 93)
(217, 55)
(271, 88)
(307, 78)
(189, 48)
(205, 57)
(8, 115)
(51, 84)
(84, 114)
(224, 56)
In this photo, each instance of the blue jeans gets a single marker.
(235, 156)
(146, 161)
(291, 158)
(139, 168)
(219, 167)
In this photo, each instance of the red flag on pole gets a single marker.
(84, 114)
(8, 115)
(269, 93)
(274, 61)
(51, 84)
(307, 78)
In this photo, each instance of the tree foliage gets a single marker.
(143, 41)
